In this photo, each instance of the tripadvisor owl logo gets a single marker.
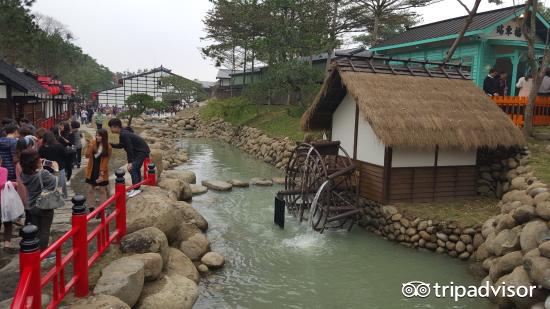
(422, 290)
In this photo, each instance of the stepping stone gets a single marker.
(217, 185)
(261, 182)
(542, 136)
(239, 183)
(198, 189)
(278, 180)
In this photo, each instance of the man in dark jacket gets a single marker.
(7, 149)
(490, 84)
(136, 151)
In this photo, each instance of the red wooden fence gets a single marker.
(32, 280)
(515, 108)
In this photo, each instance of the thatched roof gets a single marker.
(415, 111)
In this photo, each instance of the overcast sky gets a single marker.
(137, 34)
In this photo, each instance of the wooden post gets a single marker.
(80, 246)
(387, 175)
(120, 204)
(356, 132)
(29, 257)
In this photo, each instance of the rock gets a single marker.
(539, 270)
(478, 240)
(425, 235)
(505, 264)
(217, 185)
(506, 241)
(481, 253)
(278, 180)
(198, 189)
(442, 236)
(181, 189)
(518, 183)
(516, 195)
(191, 215)
(544, 249)
(152, 263)
(195, 247)
(523, 214)
(543, 210)
(239, 183)
(422, 225)
(504, 221)
(541, 197)
(180, 264)
(154, 208)
(464, 255)
(518, 277)
(187, 176)
(460, 246)
(389, 210)
(261, 182)
(122, 278)
(147, 240)
(100, 301)
(203, 268)
(213, 260)
(532, 234)
(488, 227)
(170, 292)
(185, 232)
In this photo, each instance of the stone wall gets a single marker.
(494, 169)
(434, 235)
(275, 151)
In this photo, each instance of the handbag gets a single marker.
(70, 150)
(49, 199)
(12, 206)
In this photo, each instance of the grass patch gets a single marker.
(274, 120)
(540, 157)
(466, 212)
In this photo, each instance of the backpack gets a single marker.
(49, 199)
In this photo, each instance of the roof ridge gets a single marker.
(464, 16)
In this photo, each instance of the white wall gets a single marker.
(369, 148)
(403, 157)
(453, 157)
(343, 124)
(3, 94)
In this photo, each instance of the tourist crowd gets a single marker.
(496, 84)
(36, 167)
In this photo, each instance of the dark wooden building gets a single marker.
(413, 127)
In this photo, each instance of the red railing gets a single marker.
(515, 108)
(31, 283)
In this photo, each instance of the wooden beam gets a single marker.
(356, 132)
(387, 174)
(435, 170)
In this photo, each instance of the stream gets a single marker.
(269, 267)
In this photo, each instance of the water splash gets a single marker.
(308, 240)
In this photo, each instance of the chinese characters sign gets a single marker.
(507, 31)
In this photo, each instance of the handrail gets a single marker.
(515, 108)
(29, 290)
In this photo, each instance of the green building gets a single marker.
(494, 39)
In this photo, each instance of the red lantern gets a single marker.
(54, 90)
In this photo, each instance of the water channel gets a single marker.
(268, 267)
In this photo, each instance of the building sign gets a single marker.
(508, 31)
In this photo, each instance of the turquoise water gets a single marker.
(268, 267)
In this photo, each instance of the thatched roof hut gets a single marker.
(415, 111)
(413, 126)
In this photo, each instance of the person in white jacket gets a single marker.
(525, 84)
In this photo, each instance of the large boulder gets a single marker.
(505, 264)
(544, 249)
(100, 301)
(185, 231)
(532, 235)
(518, 195)
(147, 240)
(191, 215)
(154, 208)
(187, 176)
(543, 210)
(217, 185)
(538, 268)
(195, 247)
(181, 189)
(180, 264)
(152, 263)
(518, 277)
(505, 241)
(170, 292)
(213, 260)
(122, 278)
